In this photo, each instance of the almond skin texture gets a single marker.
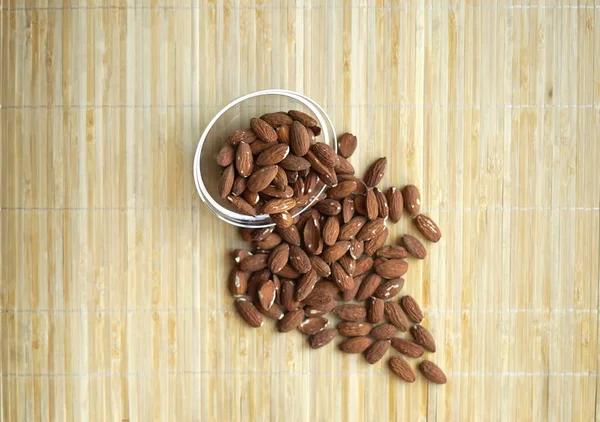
(331, 230)
(383, 332)
(354, 329)
(322, 338)
(432, 372)
(226, 181)
(244, 163)
(282, 219)
(258, 146)
(290, 321)
(412, 309)
(347, 145)
(348, 295)
(266, 294)
(355, 344)
(325, 154)
(394, 315)
(288, 272)
(356, 248)
(312, 325)
(328, 207)
(317, 298)
(254, 262)
(392, 252)
(349, 265)
(392, 268)
(399, 366)
(294, 163)
(320, 266)
(407, 347)
(273, 155)
(283, 133)
(347, 209)
(343, 166)
(299, 260)
(375, 173)
(299, 139)
(371, 204)
(312, 236)
(363, 265)
(428, 228)
(303, 118)
(412, 200)
(241, 135)
(248, 312)
(342, 190)
(371, 229)
(368, 287)
(350, 312)
(376, 351)
(288, 289)
(341, 277)
(238, 282)
(226, 155)
(351, 228)
(290, 235)
(239, 186)
(263, 130)
(275, 206)
(423, 337)
(277, 119)
(326, 173)
(336, 251)
(384, 209)
(395, 203)
(372, 245)
(275, 312)
(413, 246)
(305, 285)
(261, 178)
(375, 309)
(389, 288)
(280, 181)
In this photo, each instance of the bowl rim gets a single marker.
(263, 220)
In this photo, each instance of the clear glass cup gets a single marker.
(237, 115)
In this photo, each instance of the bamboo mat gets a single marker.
(113, 301)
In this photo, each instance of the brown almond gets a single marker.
(399, 366)
(299, 260)
(280, 181)
(331, 230)
(348, 263)
(325, 154)
(407, 347)
(238, 282)
(372, 245)
(292, 175)
(347, 144)
(251, 198)
(423, 337)
(254, 262)
(412, 200)
(392, 252)
(258, 147)
(394, 315)
(320, 266)
(283, 219)
(389, 289)
(382, 204)
(275, 312)
(392, 268)
(294, 163)
(278, 205)
(378, 261)
(317, 298)
(383, 331)
(240, 254)
(363, 265)
(342, 190)
(326, 173)
(241, 205)
(327, 287)
(273, 155)
(349, 295)
(241, 135)
(311, 181)
(428, 228)
(287, 295)
(360, 204)
(371, 229)
(277, 119)
(298, 188)
(350, 312)
(290, 234)
(269, 242)
(357, 248)
(347, 209)
(248, 312)
(278, 257)
(283, 133)
(322, 338)
(376, 351)
(261, 234)
(244, 162)
(305, 285)
(368, 287)
(266, 294)
(355, 344)
(432, 372)
(412, 308)
(274, 192)
(288, 272)
(343, 166)
(351, 228)
(312, 325)
(299, 139)
(303, 118)
(375, 309)
(239, 186)
(312, 236)
(336, 251)
(226, 155)
(226, 181)
(290, 321)
(263, 130)
(361, 188)
(328, 207)
(354, 329)
(395, 203)
(341, 277)
(261, 178)
(375, 173)
(318, 310)
(414, 246)
(371, 204)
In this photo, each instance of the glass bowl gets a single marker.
(237, 115)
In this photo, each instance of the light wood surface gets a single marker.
(113, 301)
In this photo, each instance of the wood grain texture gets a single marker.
(113, 301)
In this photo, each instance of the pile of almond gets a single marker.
(331, 262)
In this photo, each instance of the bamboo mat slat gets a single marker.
(113, 299)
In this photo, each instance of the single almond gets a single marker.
(290, 321)
(312, 236)
(320, 266)
(372, 245)
(363, 265)
(347, 209)
(226, 181)
(394, 315)
(261, 178)
(412, 308)
(328, 207)
(375, 309)
(361, 188)
(382, 204)
(343, 166)
(240, 254)
(266, 294)
(287, 295)
(273, 155)
(325, 154)
(355, 344)
(278, 205)
(299, 139)
(252, 198)
(360, 204)
(350, 312)
(350, 229)
(331, 230)
(283, 133)
(357, 248)
(395, 203)
(239, 186)
(317, 298)
(389, 289)
(277, 119)
(318, 310)
(226, 155)
(248, 312)
(299, 260)
(326, 173)
(254, 262)
(371, 204)
(347, 144)
(383, 331)
(336, 251)
(269, 242)
(423, 337)
(311, 181)
(290, 234)
(283, 219)
(280, 181)
(349, 295)
(294, 163)
(305, 285)
(342, 190)
(376, 351)
(244, 162)
(428, 228)
(241, 205)
(412, 200)
(292, 175)
(278, 257)
(238, 282)
(274, 192)
(414, 246)
(368, 287)
(392, 268)
(263, 130)
(392, 252)
(399, 366)
(275, 312)
(312, 325)
(348, 263)
(303, 118)
(354, 329)
(375, 173)
(432, 372)
(371, 229)
(407, 347)
(341, 277)
(241, 135)
(322, 338)
(288, 272)
(258, 147)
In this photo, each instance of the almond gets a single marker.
(399, 366)
(347, 144)
(294, 163)
(322, 338)
(355, 344)
(432, 372)
(392, 268)
(376, 351)
(241, 135)
(341, 277)
(305, 285)
(347, 209)
(360, 204)
(226, 181)
(372, 245)
(394, 315)
(423, 337)
(288, 292)
(254, 262)
(395, 203)
(275, 206)
(428, 228)
(363, 265)
(383, 331)
(317, 310)
(287, 191)
(266, 294)
(350, 312)
(238, 282)
(312, 236)
(354, 329)
(343, 166)
(299, 260)
(290, 235)
(261, 234)
(263, 130)
(258, 146)
(312, 325)
(277, 119)
(327, 287)
(288, 272)
(357, 248)
(336, 251)
(351, 228)
(342, 190)
(389, 289)
(283, 133)
(375, 309)
(348, 263)
(320, 266)
(392, 252)
(298, 188)
(349, 295)
(275, 312)
(269, 242)
(283, 219)
(368, 287)
(292, 175)
(375, 173)
(261, 178)
(290, 321)
(317, 298)
(371, 204)
(384, 209)
(280, 181)
(299, 139)
(251, 198)
(361, 188)
(239, 186)
(273, 155)
(407, 347)
(328, 207)
(331, 230)
(325, 154)
(226, 155)
(240, 254)
(412, 308)
(414, 246)
(303, 118)
(326, 173)
(244, 162)
(248, 312)
(371, 229)
(412, 199)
